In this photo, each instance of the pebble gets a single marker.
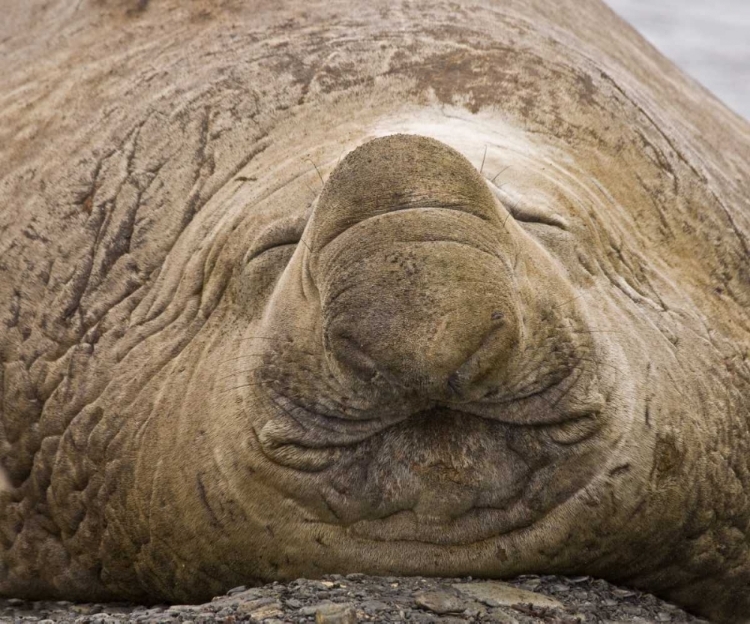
(236, 590)
(373, 606)
(500, 616)
(266, 612)
(440, 602)
(335, 614)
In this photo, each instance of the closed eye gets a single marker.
(528, 212)
(281, 234)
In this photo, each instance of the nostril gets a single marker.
(454, 383)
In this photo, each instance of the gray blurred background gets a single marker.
(709, 40)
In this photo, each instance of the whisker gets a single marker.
(566, 302)
(322, 181)
(506, 221)
(262, 338)
(241, 372)
(239, 357)
(288, 413)
(598, 363)
(247, 355)
(302, 240)
(313, 192)
(469, 281)
(307, 329)
(247, 385)
(483, 157)
(498, 173)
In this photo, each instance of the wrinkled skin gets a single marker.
(437, 289)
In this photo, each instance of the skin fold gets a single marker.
(289, 289)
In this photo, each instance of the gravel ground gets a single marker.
(358, 598)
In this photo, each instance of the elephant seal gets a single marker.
(301, 288)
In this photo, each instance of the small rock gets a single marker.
(415, 617)
(331, 613)
(374, 606)
(293, 603)
(267, 611)
(183, 608)
(496, 594)
(532, 583)
(500, 616)
(439, 602)
(247, 594)
(630, 609)
(86, 609)
(311, 609)
(355, 576)
(15, 602)
(250, 606)
(236, 590)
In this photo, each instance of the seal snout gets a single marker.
(413, 268)
(431, 333)
(410, 259)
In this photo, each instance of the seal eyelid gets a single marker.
(526, 212)
(255, 252)
(535, 214)
(277, 235)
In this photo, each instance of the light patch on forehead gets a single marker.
(528, 171)
(470, 134)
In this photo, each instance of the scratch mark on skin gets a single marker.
(204, 500)
(322, 181)
(499, 173)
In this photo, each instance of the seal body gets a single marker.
(438, 289)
